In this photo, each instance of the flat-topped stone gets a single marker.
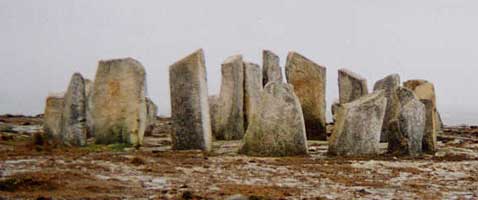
(351, 86)
(389, 84)
(252, 90)
(271, 69)
(73, 123)
(52, 116)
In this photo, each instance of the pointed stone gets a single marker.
(277, 128)
(119, 103)
(74, 113)
(189, 103)
(309, 80)
(152, 112)
(52, 116)
(271, 69)
(252, 90)
(389, 84)
(358, 126)
(229, 124)
(89, 106)
(351, 86)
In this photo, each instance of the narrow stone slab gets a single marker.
(351, 86)
(189, 103)
(252, 90)
(389, 84)
(334, 108)
(152, 112)
(309, 80)
(230, 104)
(52, 116)
(358, 126)
(277, 129)
(119, 103)
(271, 69)
(74, 130)
(89, 106)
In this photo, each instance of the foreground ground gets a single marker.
(40, 171)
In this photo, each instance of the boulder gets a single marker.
(88, 92)
(73, 128)
(119, 103)
(151, 113)
(271, 69)
(389, 84)
(52, 116)
(252, 90)
(189, 103)
(309, 80)
(406, 131)
(351, 86)
(229, 123)
(277, 128)
(358, 126)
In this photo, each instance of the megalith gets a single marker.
(74, 129)
(229, 122)
(252, 90)
(277, 128)
(119, 103)
(189, 103)
(389, 84)
(52, 116)
(358, 126)
(309, 81)
(271, 69)
(151, 113)
(89, 106)
(351, 86)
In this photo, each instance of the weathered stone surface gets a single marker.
(52, 116)
(406, 131)
(229, 123)
(73, 128)
(213, 101)
(309, 80)
(271, 69)
(89, 106)
(334, 108)
(151, 113)
(358, 126)
(351, 86)
(119, 103)
(252, 90)
(189, 103)
(389, 84)
(277, 128)
(439, 123)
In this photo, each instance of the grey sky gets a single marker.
(43, 42)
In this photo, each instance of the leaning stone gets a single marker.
(389, 84)
(74, 113)
(189, 103)
(277, 129)
(252, 90)
(152, 112)
(358, 126)
(119, 103)
(309, 80)
(52, 116)
(89, 106)
(351, 86)
(406, 131)
(230, 104)
(271, 69)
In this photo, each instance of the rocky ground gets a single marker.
(32, 169)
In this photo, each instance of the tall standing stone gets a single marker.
(119, 103)
(252, 90)
(74, 129)
(309, 80)
(277, 128)
(189, 103)
(351, 86)
(52, 116)
(89, 106)
(389, 84)
(229, 123)
(271, 69)
(358, 126)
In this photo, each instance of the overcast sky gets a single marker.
(43, 42)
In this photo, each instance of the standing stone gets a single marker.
(151, 113)
(439, 123)
(252, 90)
(189, 103)
(351, 86)
(406, 131)
(119, 103)
(277, 128)
(74, 113)
(358, 126)
(89, 106)
(52, 116)
(271, 69)
(229, 122)
(389, 84)
(309, 80)
(334, 108)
